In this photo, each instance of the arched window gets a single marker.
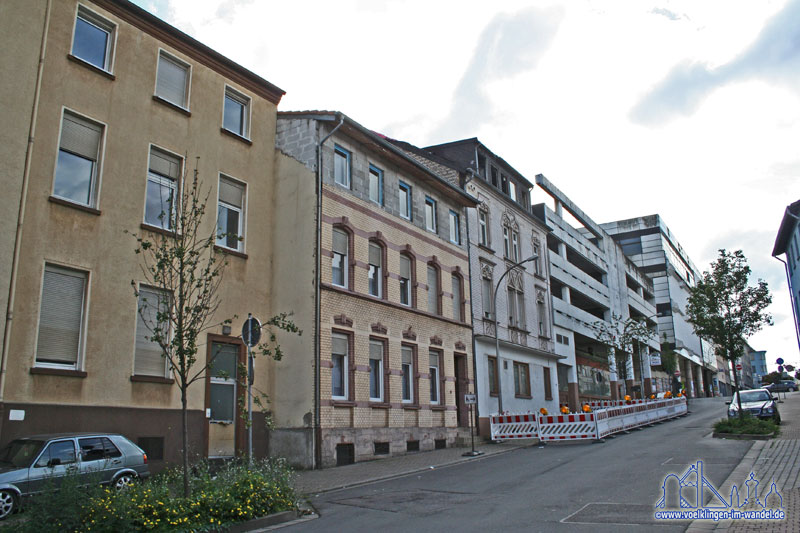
(340, 258)
(406, 280)
(458, 298)
(375, 269)
(434, 301)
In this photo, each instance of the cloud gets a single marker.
(667, 13)
(227, 9)
(774, 55)
(509, 45)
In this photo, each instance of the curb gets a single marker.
(744, 436)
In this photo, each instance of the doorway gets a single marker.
(462, 388)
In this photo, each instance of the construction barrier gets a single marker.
(586, 426)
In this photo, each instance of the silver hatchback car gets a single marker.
(31, 465)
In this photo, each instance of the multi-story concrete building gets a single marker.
(503, 231)
(107, 110)
(758, 361)
(393, 333)
(648, 242)
(592, 282)
(787, 243)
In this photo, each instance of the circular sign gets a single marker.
(779, 360)
(780, 368)
(739, 366)
(677, 372)
(251, 331)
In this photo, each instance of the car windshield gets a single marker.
(755, 396)
(20, 453)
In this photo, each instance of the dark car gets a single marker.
(31, 465)
(757, 402)
(784, 385)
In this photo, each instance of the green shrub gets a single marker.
(748, 425)
(236, 493)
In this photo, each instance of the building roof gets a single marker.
(790, 220)
(381, 144)
(166, 33)
(475, 141)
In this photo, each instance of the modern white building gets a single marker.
(787, 243)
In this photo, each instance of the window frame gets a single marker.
(548, 385)
(340, 151)
(383, 371)
(228, 382)
(102, 23)
(430, 202)
(413, 383)
(375, 273)
(97, 169)
(491, 363)
(238, 96)
(375, 171)
(177, 184)
(483, 228)
(347, 389)
(84, 318)
(435, 383)
(403, 186)
(242, 229)
(526, 393)
(188, 87)
(487, 298)
(455, 226)
(166, 372)
(438, 292)
(409, 292)
(457, 282)
(345, 258)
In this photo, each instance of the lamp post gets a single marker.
(496, 338)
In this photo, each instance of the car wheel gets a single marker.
(123, 481)
(8, 503)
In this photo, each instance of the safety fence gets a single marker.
(586, 426)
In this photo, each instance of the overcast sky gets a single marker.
(683, 108)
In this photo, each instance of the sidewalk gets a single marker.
(777, 460)
(312, 482)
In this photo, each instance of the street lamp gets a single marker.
(496, 338)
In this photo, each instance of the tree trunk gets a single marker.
(185, 435)
(738, 389)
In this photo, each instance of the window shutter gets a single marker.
(407, 355)
(434, 359)
(61, 316)
(231, 193)
(164, 164)
(375, 254)
(405, 267)
(149, 359)
(339, 345)
(80, 137)
(376, 350)
(340, 242)
(171, 81)
(456, 298)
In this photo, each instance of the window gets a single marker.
(407, 353)
(172, 81)
(93, 40)
(162, 185)
(230, 214)
(506, 242)
(433, 290)
(434, 376)
(455, 229)
(548, 387)
(341, 244)
(493, 174)
(430, 214)
(376, 371)
(149, 359)
(97, 449)
(61, 452)
(512, 190)
(504, 183)
(541, 311)
(375, 272)
(404, 200)
(77, 170)
(516, 308)
(61, 318)
(562, 339)
(515, 246)
(631, 246)
(492, 367)
(341, 166)
(339, 370)
(483, 227)
(522, 381)
(458, 300)
(537, 263)
(488, 300)
(222, 386)
(236, 113)
(405, 280)
(376, 184)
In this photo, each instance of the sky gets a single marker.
(683, 108)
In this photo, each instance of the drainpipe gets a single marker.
(317, 303)
(12, 287)
(477, 414)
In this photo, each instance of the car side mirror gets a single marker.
(55, 461)
(727, 403)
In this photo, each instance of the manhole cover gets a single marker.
(418, 502)
(614, 513)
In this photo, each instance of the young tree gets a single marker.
(183, 266)
(625, 337)
(669, 362)
(725, 310)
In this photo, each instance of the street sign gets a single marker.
(655, 359)
(251, 331)
(739, 366)
(470, 399)
(779, 360)
(677, 372)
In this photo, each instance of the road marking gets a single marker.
(668, 460)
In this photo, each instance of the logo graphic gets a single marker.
(686, 494)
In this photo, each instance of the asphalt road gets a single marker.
(609, 486)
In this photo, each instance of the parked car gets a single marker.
(758, 402)
(784, 385)
(31, 465)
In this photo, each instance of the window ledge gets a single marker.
(379, 405)
(343, 403)
(169, 104)
(58, 372)
(156, 229)
(228, 251)
(523, 396)
(486, 249)
(235, 135)
(91, 67)
(411, 406)
(493, 394)
(69, 203)
(152, 379)
(438, 407)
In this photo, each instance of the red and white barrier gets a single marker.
(567, 427)
(508, 427)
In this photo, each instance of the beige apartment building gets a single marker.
(107, 110)
(394, 345)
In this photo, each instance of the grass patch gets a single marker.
(236, 493)
(749, 425)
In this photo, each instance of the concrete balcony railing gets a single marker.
(640, 304)
(570, 317)
(572, 276)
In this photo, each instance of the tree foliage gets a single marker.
(625, 337)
